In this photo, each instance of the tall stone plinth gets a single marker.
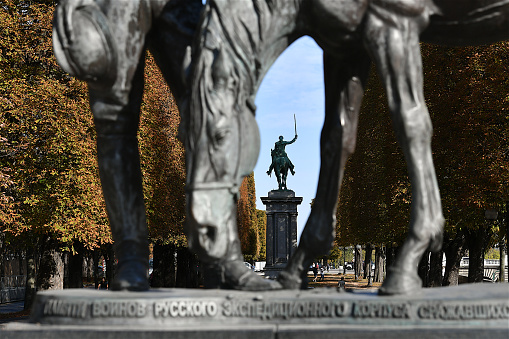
(281, 209)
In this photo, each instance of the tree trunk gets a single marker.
(379, 264)
(30, 287)
(51, 269)
(435, 269)
(423, 268)
(477, 240)
(95, 266)
(187, 269)
(76, 266)
(367, 261)
(22, 262)
(2, 255)
(109, 257)
(164, 274)
(476, 262)
(454, 250)
(503, 252)
(358, 262)
(392, 251)
(88, 265)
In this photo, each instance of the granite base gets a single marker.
(465, 311)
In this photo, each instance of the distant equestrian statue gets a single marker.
(280, 162)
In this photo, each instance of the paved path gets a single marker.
(13, 307)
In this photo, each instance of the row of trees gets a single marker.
(51, 205)
(466, 93)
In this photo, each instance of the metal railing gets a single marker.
(12, 288)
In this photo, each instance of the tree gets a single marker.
(162, 160)
(467, 97)
(466, 91)
(375, 195)
(163, 166)
(49, 186)
(262, 233)
(247, 219)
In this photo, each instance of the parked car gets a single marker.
(349, 266)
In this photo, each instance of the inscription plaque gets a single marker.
(182, 307)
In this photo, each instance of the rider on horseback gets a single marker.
(280, 161)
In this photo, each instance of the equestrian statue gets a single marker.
(214, 58)
(280, 161)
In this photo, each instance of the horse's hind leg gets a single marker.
(395, 48)
(344, 87)
(278, 176)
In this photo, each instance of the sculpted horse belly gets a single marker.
(468, 22)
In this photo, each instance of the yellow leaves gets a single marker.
(45, 141)
(162, 158)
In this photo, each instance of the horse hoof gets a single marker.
(131, 276)
(290, 281)
(237, 276)
(400, 283)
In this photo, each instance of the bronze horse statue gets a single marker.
(280, 165)
(235, 44)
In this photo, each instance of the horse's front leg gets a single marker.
(344, 86)
(394, 45)
(115, 99)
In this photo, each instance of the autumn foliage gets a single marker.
(48, 172)
(374, 203)
(247, 219)
(163, 160)
(466, 91)
(49, 183)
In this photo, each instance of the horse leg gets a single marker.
(344, 86)
(283, 178)
(119, 169)
(116, 111)
(395, 49)
(278, 176)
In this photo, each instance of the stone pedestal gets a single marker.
(281, 209)
(465, 311)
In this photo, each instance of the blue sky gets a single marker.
(293, 85)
